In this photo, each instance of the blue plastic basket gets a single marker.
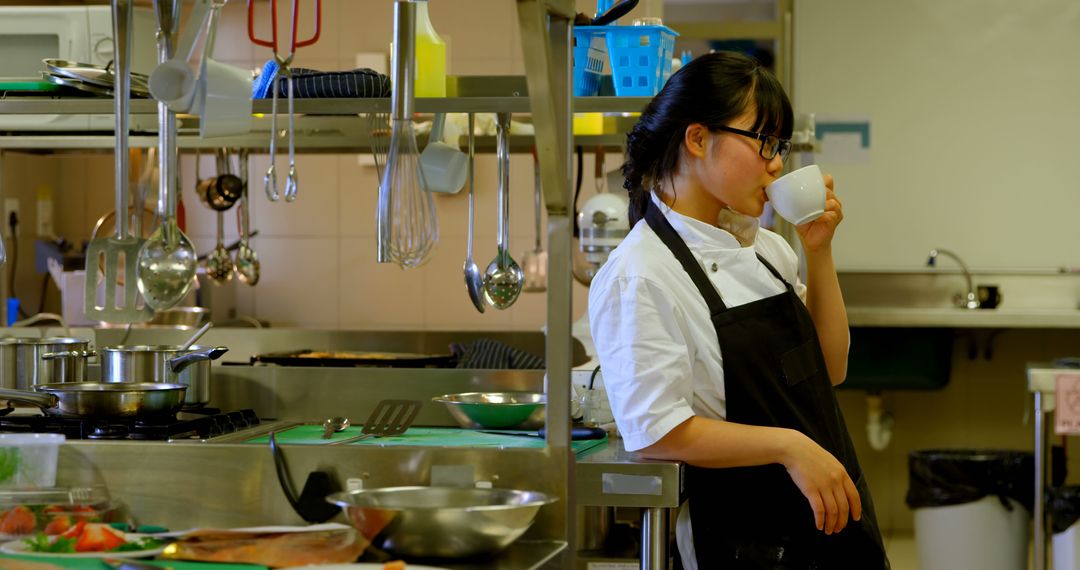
(589, 57)
(640, 58)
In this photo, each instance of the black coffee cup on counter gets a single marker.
(989, 296)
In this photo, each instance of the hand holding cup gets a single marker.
(805, 198)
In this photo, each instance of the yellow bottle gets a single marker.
(430, 56)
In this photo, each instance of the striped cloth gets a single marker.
(488, 354)
(312, 83)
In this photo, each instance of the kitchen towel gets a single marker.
(489, 354)
(312, 83)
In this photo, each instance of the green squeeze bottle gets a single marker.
(430, 56)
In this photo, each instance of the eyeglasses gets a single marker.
(771, 145)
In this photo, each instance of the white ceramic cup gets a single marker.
(799, 196)
(445, 167)
(176, 82)
(224, 100)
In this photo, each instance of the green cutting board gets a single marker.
(432, 437)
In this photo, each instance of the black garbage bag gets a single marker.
(943, 477)
(1063, 503)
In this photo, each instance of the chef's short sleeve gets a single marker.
(640, 338)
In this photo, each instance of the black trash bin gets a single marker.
(972, 507)
(1063, 506)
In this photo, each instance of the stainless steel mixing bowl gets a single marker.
(496, 410)
(441, 522)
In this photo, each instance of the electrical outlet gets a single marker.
(10, 205)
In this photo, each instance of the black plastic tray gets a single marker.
(309, 357)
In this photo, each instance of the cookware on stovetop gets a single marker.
(22, 364)
(166, 364)
(100, 400)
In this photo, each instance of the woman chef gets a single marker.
(713, 351)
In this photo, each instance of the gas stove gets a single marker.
(199, 425)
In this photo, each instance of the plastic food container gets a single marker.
(52, 511)
(29, 459)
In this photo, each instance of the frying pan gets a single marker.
(97, 400)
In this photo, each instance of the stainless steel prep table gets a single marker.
(1041, 382)
(614, 477)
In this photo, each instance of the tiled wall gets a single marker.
(317, 254)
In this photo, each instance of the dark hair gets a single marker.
(711, 90)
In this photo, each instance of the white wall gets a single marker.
(973, 109)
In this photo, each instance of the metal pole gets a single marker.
(1040, 482)
(654, 535)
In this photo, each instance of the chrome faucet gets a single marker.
(972, 302)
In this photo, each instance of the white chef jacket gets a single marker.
(657, 347)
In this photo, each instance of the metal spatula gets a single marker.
(117, 253)
(390, 417)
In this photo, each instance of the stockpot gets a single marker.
(165, 364)
(22, 365)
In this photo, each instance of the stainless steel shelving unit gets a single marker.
(104, 106)
(324, 125)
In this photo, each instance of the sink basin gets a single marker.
(899, 358)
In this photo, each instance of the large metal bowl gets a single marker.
(441, 522)
(181, 317)
(496, 410)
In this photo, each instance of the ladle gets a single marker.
(534, 262)
(219, 264)
(167, 261)
(504, 278)
(334, 425)
(474, 282)
(195, 337)
(247, 261)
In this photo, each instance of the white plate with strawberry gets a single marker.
(87, 540)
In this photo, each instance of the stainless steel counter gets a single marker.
(186, 485)
(868, 316)
(615, 477)
(223, 484)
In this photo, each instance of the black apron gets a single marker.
(774, 375)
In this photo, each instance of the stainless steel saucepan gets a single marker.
(165, 364)
(101, 400)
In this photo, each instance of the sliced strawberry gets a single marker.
(19, 520)
(98, 537)
(54, 509)
(58, 525)
(75, 531)
(86, 513)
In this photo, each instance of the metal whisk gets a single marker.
(407, 226)
(378, 125)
